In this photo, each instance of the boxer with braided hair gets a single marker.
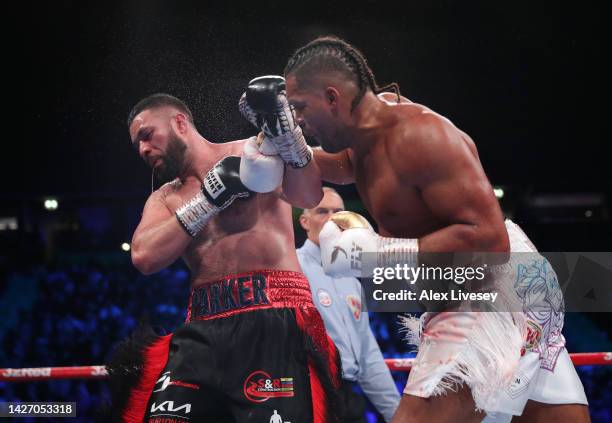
(421, 179)
(334, 54)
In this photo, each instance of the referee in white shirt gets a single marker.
(339, 302)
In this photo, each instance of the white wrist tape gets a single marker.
(292, 148)
(195, 213)
(397, 250)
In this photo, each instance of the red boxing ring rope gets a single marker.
(579, 359)
(99, 372)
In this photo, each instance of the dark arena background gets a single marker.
(526, 80)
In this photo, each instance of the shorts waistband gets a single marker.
(242, 292)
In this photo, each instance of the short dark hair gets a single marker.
(158, 100)
(325, 189)
(331, 53)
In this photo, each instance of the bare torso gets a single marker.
(419, 176)
(251, 234)
(393, 201)
(396, 207)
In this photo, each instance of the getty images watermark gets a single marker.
(411, 274)
(559, 281)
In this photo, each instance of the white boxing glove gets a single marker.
(343, 239)
(347, 235)
(261, 169)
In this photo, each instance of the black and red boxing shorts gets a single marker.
(253, 349)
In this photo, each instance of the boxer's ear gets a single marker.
(181, 123)
(331, 96)
(304, 222)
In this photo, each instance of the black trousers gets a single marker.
(354, 404)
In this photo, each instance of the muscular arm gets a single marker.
(335, 167)
(453, 186)
(159, 238)
(302, 187)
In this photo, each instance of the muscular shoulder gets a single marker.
(164, 194)
(234, 148)
(168, 188)
(423, 126)
(391, 98)
(423, 143)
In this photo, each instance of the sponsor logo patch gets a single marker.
(277, 418)
(534, 334)
(354, 303)
(168, 408)
(29, 372)
(356, 251)
(324, 298)
(164, 381)
(213, 184)
(259, 386)
(337, 250)
(519, 384)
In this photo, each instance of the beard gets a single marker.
(173, 162)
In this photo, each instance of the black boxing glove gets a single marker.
(220, 188)
(265, 105)
(262, 91)
(222, 183)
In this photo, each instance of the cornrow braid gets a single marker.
(333, 53)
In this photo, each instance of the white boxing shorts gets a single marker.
(546, 373)
(504, 358)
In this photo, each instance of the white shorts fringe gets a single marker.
(479, 349)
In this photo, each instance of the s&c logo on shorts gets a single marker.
(260, 387)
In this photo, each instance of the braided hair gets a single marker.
(330, 53)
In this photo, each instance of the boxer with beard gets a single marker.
(253, 344)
